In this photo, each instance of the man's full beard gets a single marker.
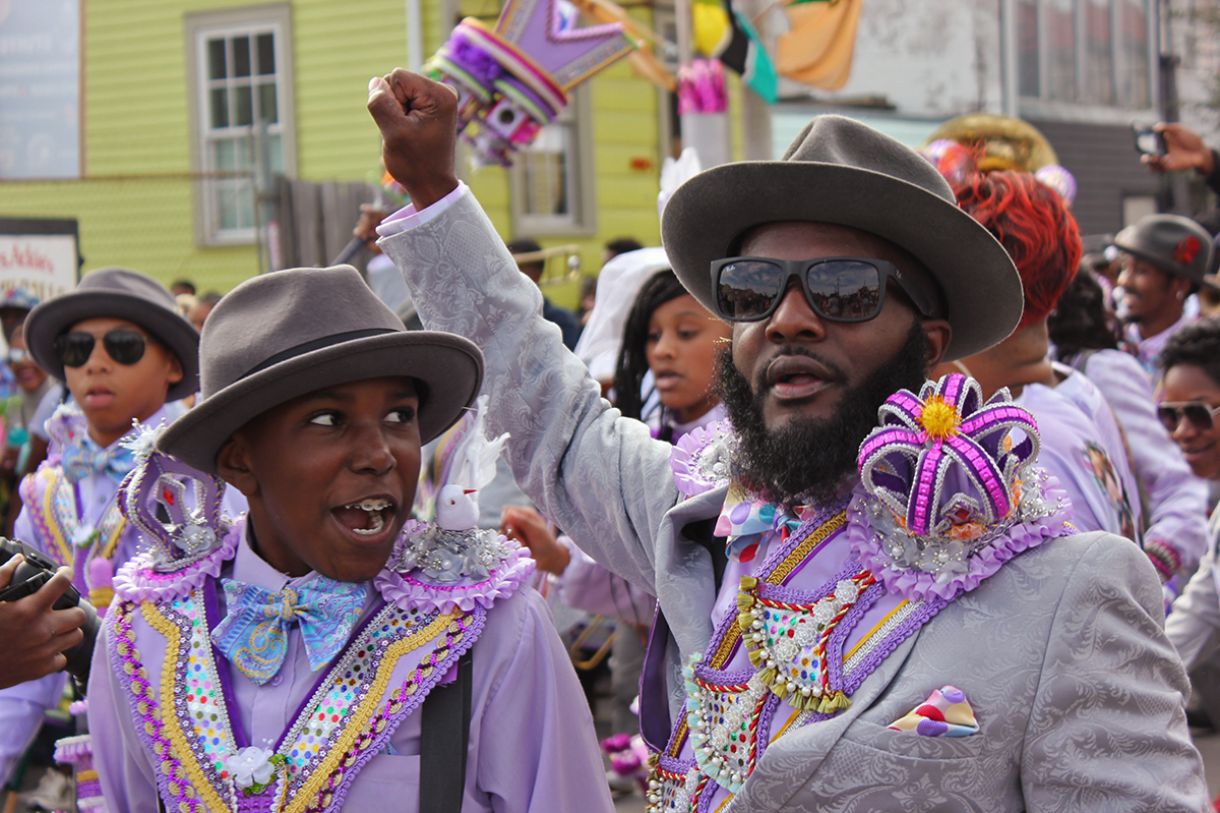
(812, 460)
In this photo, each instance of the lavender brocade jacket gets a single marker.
(1062, 653)
(532, 748)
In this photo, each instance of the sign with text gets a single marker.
(40, 81)
(41, 257)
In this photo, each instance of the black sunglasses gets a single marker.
(124, 346)
(839, 289)
(1201, 416)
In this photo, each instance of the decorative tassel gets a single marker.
(834, 702)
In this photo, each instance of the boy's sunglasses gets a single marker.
(838, 289)
(123, 346)
(17, 356)
(1201, 416)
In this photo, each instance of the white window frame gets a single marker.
(198, 29)
(582, 222)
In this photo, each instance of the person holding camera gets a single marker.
(124, 351)
(1184, 150)
(36, 635)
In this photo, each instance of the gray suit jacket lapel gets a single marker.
(792, 760)
(686, 582)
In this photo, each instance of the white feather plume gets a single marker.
(476, 461)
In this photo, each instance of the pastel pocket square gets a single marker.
(946, 713)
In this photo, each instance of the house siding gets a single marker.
(136, 204)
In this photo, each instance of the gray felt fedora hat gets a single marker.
(1176, 245)
(843, 172)
(282, 335)
(118, 294)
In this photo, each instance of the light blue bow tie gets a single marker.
(84, 458)
(254, 633)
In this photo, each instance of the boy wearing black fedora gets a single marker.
(123, 351)
(869, 593)
(317, 654)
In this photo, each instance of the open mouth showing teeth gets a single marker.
(367, 517)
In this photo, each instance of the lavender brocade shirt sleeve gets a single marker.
(599, 476)
(586, 585)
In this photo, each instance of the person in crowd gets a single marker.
(1082, 444)
(669, 334)
(620, 245)
(1189, 403)
(1184, 152)
(379, 272)
(588, 299)
(1190, 390)
(362, 669)
(35, 634)
(25, 419)
(198, 314)
(618, 284)
(1175, 500)
(123, 350)
(182, 286)
(15, 306)
(1163, 260)
(784, 670)
(526, 252)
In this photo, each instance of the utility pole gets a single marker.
(1167, 75)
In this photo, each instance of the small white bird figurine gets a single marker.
(457, 508)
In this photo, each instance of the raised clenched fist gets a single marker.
(418, 122)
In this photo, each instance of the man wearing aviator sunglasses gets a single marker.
(847, 270)
(123, 352)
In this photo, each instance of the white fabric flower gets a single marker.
(251, 766)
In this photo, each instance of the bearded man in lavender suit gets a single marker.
(890, 620)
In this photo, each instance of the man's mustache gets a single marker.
(761, 385)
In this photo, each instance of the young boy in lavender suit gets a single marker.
(325, 652)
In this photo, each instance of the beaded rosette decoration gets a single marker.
(433, 568)
(514, 79)
(182, 701)
(953, 489)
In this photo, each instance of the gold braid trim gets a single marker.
(66, 555)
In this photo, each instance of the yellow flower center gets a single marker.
(939, 418)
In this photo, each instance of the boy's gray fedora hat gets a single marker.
(282, 335)
(843, 172)
(118, 294)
